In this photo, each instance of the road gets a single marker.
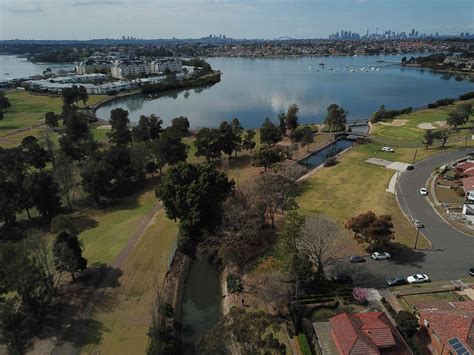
(451, 253)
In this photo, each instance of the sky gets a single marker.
(269, 19)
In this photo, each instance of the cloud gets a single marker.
(97, 3)
(22, 6)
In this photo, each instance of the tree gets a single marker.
(193, 194)
(428, 138)
(120, 131)
(320, 241)
(12, 175)
(268, 156)
(273, 288)
(67, 251)
(269, 133)
(407, 323)
(277, 192)
(180, 126)
(308, 138)
(239, 235)
(251, 332)
(51, 120)
(76, 141)
(45, 195)
(336, 118)
(238, 130)
(248, 142)
(457, 118)
(34, 155)
(229, 139)
(169, 149)
(442, 135)
(71, 96)
(282, 123)
(161, 333)
(63, 171)
(147, 129)
(14, 326)
(375, 231)
(208, 143)
(292, 117)
(62, 223)
(4, 102)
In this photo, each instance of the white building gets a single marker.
(161, 65)
(129, 68)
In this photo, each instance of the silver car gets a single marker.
(417, 223)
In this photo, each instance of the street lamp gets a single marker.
(416, 238)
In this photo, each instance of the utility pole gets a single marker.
(416, 239)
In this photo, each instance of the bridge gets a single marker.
(284, 38)
(357, 123)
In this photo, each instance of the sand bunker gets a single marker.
(426, 125)
(105, 126)
(396, 123)
(441, 123)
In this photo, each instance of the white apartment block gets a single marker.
(127, 68)
(160, 65)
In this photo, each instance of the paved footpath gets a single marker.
(76, 330)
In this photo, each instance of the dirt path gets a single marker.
(76, 335)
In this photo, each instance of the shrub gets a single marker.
(234, 283)
(331, 161)
(407, 323)
(441, 102)
(360, 294)
(304, 344)
(467, 96)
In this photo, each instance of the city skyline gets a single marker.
(266, 19)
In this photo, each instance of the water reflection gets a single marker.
(252, 89)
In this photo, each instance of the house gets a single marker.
(368, 333)
(464, 167)
(449, 326)
(468, 183)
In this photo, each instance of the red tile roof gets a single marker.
(450, 319)
(464, 166)
(365, 333)
(468, 183)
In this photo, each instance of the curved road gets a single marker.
(451, 253)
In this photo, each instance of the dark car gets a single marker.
(396, 280)
(342, 279)
(410, 167)
(356, 259)
(471, 271)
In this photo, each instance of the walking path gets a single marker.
(76, 330)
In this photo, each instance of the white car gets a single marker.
(417, 223)
(423, 191)
(387, 149)
(418, 279)
(380, 255)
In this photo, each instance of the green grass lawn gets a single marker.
(411, 133)
(125, 318)
(110, 228)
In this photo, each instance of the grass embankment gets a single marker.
(125, 316)
(27, 113)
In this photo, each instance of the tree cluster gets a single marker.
(460, 115)
(4, 104)
(382, 114)
(430, 136)
(227, 139)
(372, 230)
(336, 118)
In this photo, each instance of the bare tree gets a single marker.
(320, 241)
(273, 288)
(64, 176)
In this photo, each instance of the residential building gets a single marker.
(161, 65)
(129, 68)
(449, 326)
(370, 333)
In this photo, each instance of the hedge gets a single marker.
(304, 344)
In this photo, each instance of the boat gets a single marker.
(378, 69)
(310, 68)
(7, 73)
(321, 64)
(372, 68)
(352, 70)
(362, 69)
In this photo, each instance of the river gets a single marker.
(12, 67)
(252, 89)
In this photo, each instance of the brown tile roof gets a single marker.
(464, 166)
(450, 319)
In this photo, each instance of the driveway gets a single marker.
(452, 252)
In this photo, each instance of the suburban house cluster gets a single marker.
(466, 171)
(112, 73)
(462, 63)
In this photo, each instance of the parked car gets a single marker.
(342, 279)
(423, 191)
(417, 223)
(410, 167)
(387, 149)
(396, 280)
(356, 259)
(471, 271)
(418, 278)
(380, 255)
